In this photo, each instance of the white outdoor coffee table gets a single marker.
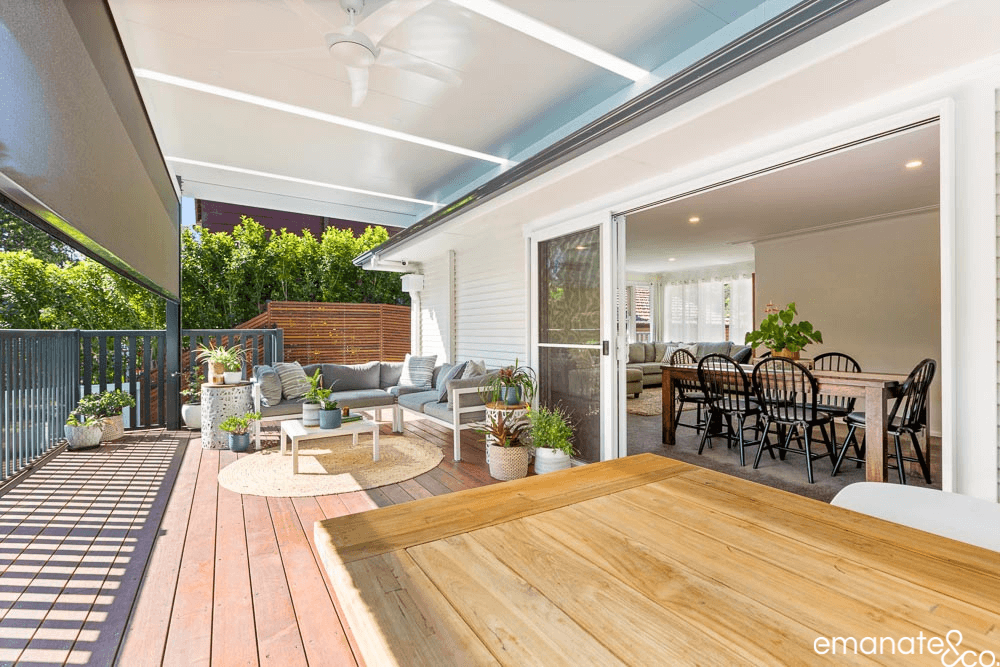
(293, 430)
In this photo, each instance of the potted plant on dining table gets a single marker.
(782, 335)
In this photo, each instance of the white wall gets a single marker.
(874, 290)
(481, 313)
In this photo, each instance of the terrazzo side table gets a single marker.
(218, 403)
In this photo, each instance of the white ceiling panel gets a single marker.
(495, 90)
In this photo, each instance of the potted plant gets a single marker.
(311, 400)
(329, 414)
(552, 438)
(82, 431)
(239, 430)
(107, 408)
(191, 409)
(512, 385)
(508, 453)
(782, 336)
(225, 364)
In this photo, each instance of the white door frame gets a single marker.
(610, 396)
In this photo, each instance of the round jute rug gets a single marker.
(331, 465)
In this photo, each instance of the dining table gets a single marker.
(875, 388)
(647, 560)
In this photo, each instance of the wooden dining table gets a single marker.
(875, 388)
(646, 560)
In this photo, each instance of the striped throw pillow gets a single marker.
(294, 383)
(417, 372)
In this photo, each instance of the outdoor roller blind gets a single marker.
(76, 147)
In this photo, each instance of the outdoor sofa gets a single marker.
(375, 386)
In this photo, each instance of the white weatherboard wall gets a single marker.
(481, 313)
(874, 290)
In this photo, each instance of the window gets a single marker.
(709, 310)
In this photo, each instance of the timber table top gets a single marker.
(647, 561)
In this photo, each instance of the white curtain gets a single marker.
(681, 317)
(711, 315)
(740, 309)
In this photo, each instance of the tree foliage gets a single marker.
(227, 277)
(15, 235)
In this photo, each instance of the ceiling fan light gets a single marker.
(353, 50)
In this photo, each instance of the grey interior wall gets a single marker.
(874, 290)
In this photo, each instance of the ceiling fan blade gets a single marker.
(390, 57)
(310, 15)
(383, 20)
(315, 50)
(359, 84)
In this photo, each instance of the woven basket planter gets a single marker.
(112, 428)
(507, 463)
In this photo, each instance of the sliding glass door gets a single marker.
(570, 342)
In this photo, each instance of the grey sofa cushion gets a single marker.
(473, 369)
(417, 401)
(472, 398)
(444, 378)
(418, 371)
(636, 353)
(270, 385)
(362, 398)
(350, 378)
(400, 391)
(741, 353)
(444, 411)
(442, 369)
(659, 349)
(649, 352)
(649, 369)
(722, 347)
(389, 372)
(294, 383)
(292, 407)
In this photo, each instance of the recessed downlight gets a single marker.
(671, 259)
(581, 247)
(914, 164)
(694, 220)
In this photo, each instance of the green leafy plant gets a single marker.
(318, 394)
(230, 357)
(77, 420)
(778, 332)
(192, 393)
(550, 428)
(517, 377)
(505, 430)
(240, 425)
(105, 404)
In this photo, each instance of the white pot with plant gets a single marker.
(82, 432)
(225, 364)
(191, 408)
(509, 455)
(552, 438)
(312, 400)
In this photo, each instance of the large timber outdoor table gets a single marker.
(875, 388)
(647, 560)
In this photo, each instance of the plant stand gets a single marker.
(219, 402)
(494, 410)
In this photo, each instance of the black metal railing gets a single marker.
(38, 379)
(44, 373)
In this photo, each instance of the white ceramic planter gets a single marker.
(82, 437)
(233, 377)
(310, 414)
(550, 460)
(191, 414)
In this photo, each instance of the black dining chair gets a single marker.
(908, 416)
(688, 391)
(788, 395)
(730, 398)
(837, 407)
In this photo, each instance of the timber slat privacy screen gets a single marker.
(338, 333)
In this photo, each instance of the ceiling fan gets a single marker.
(358, 45)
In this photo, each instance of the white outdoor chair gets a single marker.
(951, 515)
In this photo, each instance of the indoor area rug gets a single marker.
(649, 403)
(331, 465)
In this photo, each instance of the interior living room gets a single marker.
(851, 237)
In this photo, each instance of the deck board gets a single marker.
(269, 599)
